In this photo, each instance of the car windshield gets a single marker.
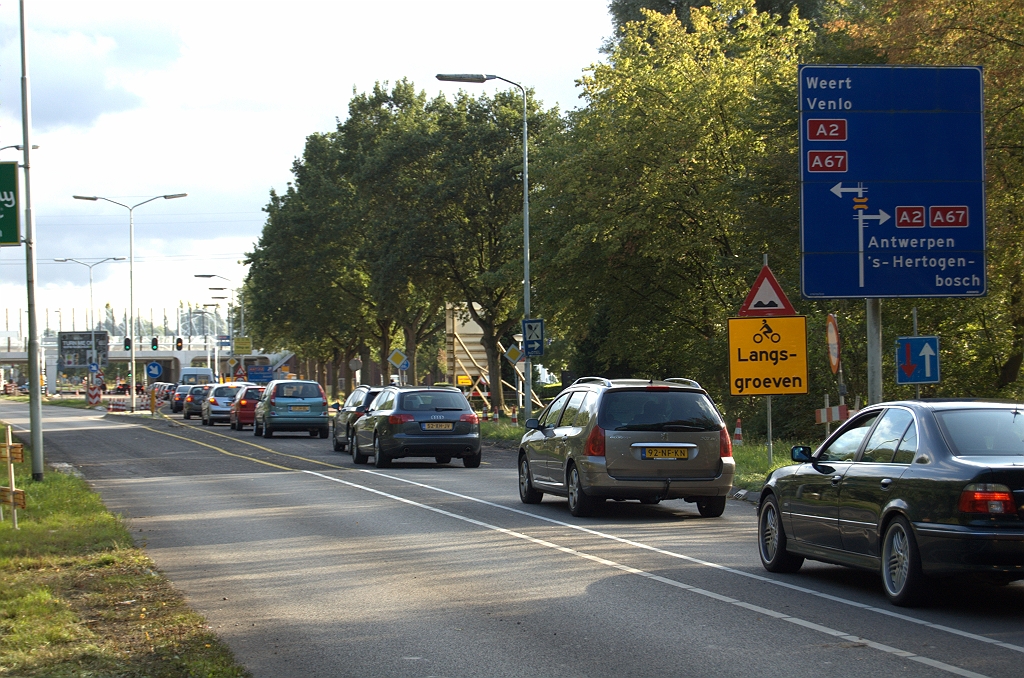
(657, 411)
(297, 391)
(433, 401)
(983, 432)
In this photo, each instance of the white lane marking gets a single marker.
(665, 580)
(717, 566)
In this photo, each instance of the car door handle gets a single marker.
(886, 482)
(836, 479)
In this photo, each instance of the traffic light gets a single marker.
(155, 344)
(178, 343)
(127, 343)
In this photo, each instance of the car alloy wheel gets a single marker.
(901, 564)
(772, 539)
(527, 493)
(580, 503)
(380, 459)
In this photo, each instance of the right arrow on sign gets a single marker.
(928, 353)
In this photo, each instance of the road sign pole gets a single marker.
(917, 387)
(874, 322)
(770, 450)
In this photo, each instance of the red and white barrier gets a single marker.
(827, 415)
(119, 405)
(737, 435)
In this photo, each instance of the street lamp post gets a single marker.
(216, 341)
(131, 275)
(92, 308)
(241, 305)
(480, 78)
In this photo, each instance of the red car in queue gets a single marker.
(243, 407)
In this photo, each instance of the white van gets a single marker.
(196, 375)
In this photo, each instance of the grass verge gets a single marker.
(501, 430)
(752, 465)
(60, 401)
(77, 598)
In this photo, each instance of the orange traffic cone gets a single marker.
(515, 416)
(737, 436)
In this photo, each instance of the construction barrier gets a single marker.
(737, 436)
(515, 416)
(119, 405)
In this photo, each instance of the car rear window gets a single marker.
(254, 392)
(297, 391)
(671, 410)
(225, 391)
(196, 390)
(983, 432)
(432, 401)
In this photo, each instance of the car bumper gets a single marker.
(245, 416)
(193, 409)
(278, 422)
(404, 445)
(958, 548)
(219, 413)
(598, 483)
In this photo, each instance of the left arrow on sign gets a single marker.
(839, 190)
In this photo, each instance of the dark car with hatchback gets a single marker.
(292, 405)
(178, 398)
(194, 401)
(909, 489)
(628, 439)
(418, 421)
(346, 414)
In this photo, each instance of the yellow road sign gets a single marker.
(768, 356)
(464, 380)
(242, 345)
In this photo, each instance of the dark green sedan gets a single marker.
(912, 490)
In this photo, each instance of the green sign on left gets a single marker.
(10, 212)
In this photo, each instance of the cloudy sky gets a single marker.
(215, 99)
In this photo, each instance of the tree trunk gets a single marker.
(364, 358)
(490, 344)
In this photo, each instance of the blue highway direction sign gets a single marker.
(892, 200)
(917, 360)
(154, 370)
(533, 337)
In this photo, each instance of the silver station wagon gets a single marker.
(628, 439)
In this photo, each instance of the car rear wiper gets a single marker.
(662, 426)
(447, 409)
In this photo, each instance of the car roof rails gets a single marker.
(682, 381)
(589, 380)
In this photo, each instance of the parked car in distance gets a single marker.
(243, 407)
(909, 489)
(628, 439)
(178, 398)
(418, 421)
(292, 405)
(217, 405)
(194, 401)
(346, 414)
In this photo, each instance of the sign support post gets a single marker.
(917, 387)
(874, 323)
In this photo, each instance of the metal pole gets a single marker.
(917, 387)
(528, 375)
(92, 322)
(35, 408)
(770, 448)
(131, 304)
(874, 327)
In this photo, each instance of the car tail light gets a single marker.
(472, 418)
(400, 418)
(323, 396)
(987, 498)
(656, 388)
(273, 400)
(595, 443)
(724, 444)
(213, 401)
(243, 402)
(188, 399)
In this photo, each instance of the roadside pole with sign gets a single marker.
(767, 346)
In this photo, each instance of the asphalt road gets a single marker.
(308, 565)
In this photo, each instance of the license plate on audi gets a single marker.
(664, 453)
(437, 426)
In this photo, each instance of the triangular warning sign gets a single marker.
(766, 297)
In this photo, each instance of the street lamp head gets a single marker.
(174, 195)
(465, 77)
(120, 258)
(85, 197)
(61, 260)
(218, 289)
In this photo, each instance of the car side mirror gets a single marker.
(532, 425)
(363, 408)
(800, 453)
(336, 406)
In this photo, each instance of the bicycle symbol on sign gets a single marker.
(767, 331)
